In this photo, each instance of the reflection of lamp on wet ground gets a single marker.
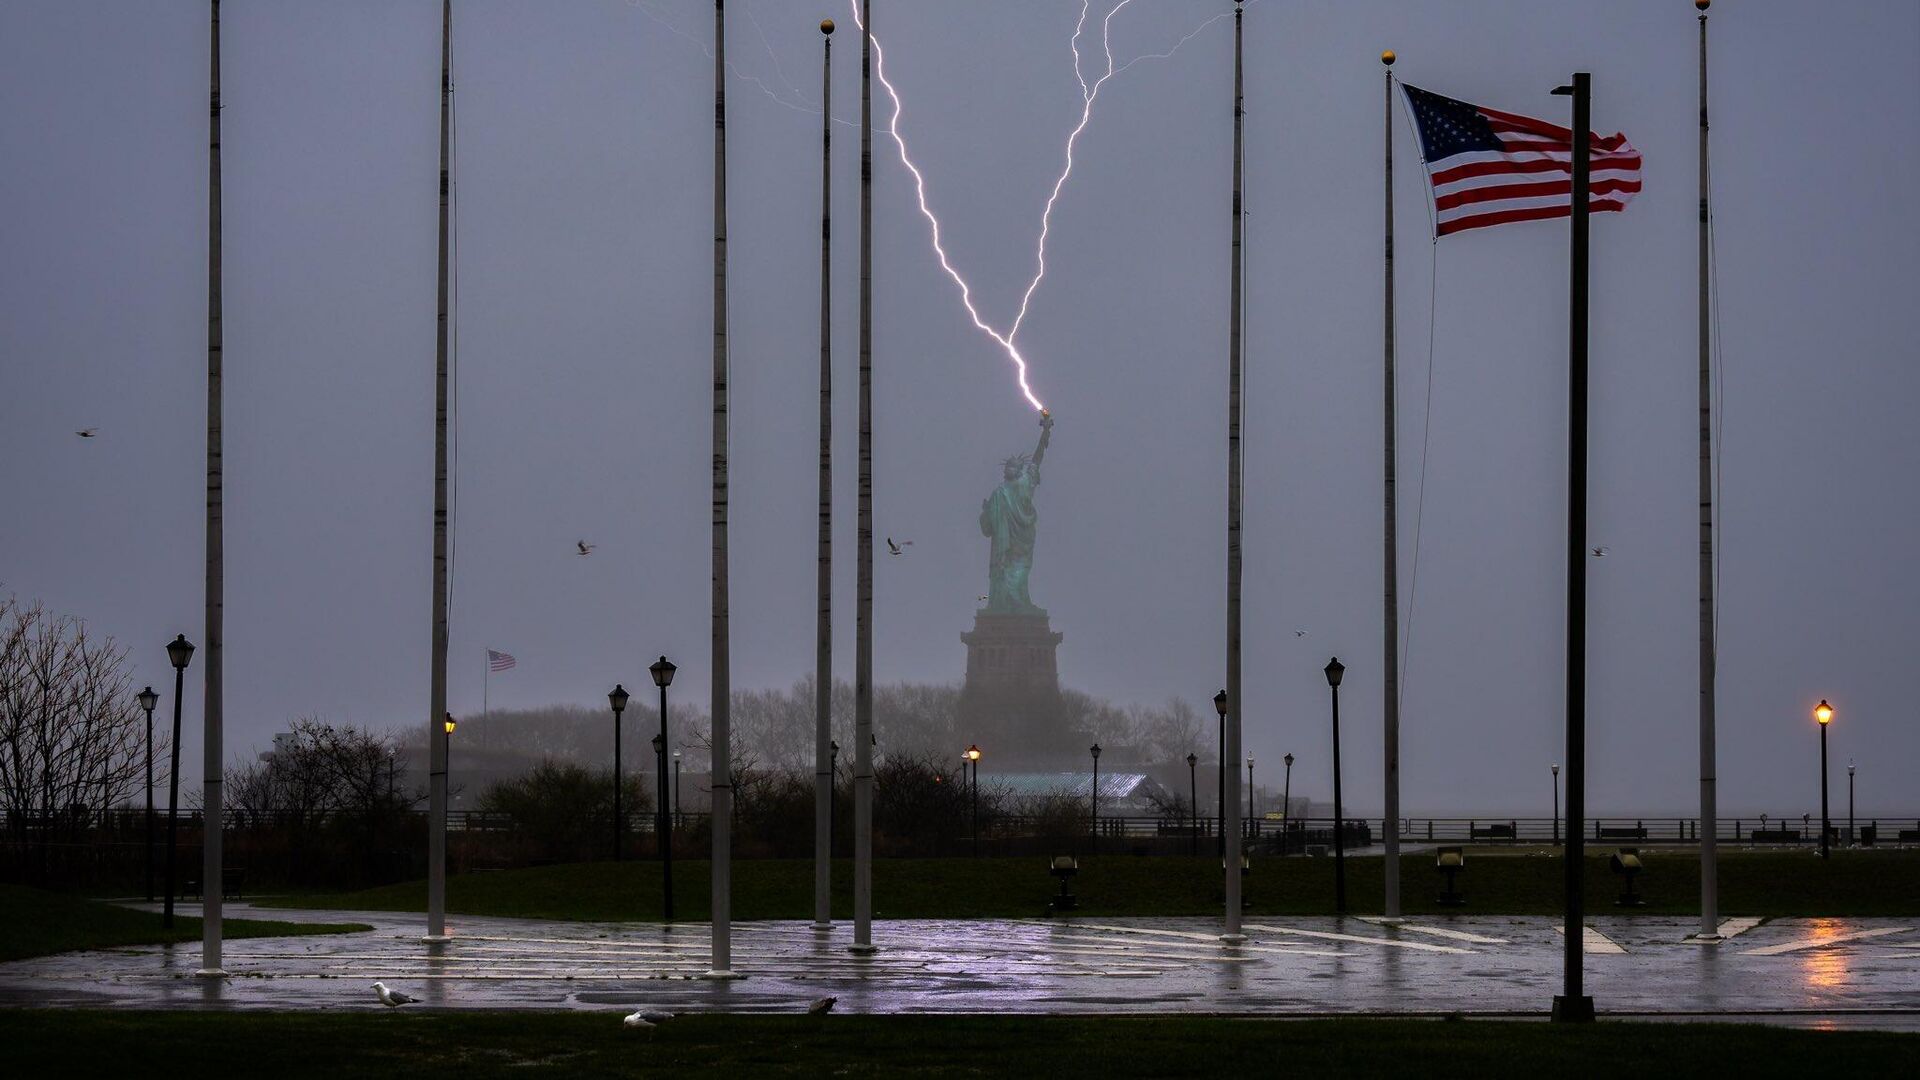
(1823, 713)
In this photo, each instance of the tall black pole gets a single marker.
(823, 576)
(1573, 1004)
(975, 811)
(1824, 828)
(1193, 809)
(619, 819)
(1096, 803)
(1852, 837)
(1339, 817)
(1286, 805)
(666, 832)
(149, 814)
(1220, 789)
(173, 797)
(1556, 806)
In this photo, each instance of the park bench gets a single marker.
(1492, 832)
(1624, 832)
(1775, 836)
(232, 879)
(1910, 836)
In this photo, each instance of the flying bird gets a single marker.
(1299, 633)
(895, 549)
(821, 1006)
(392, 999)
(1599, 553)
(87, 432)
(585, 548)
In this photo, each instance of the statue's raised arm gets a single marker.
(1046, 432)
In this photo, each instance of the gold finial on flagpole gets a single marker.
(826, 26)
(1703, 4)
(1388, 58)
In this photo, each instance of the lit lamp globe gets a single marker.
(1823, 712)
(449, 723)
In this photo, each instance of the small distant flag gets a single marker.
(499, 661)
(1490, 167)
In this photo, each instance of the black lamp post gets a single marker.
(1335, 670)
(1286, 804)
(971, 756)
(180, 653)
(1250, 826)
(1095, 751)
(1193, 806)
(833, 766)
(148, 699)
(661, 821)
(676, 788)
(617, 697)
(662, 671)
(1220, 797)
(1555, 768)
(1823, 713)
(1852, 837)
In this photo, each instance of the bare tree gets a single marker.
(71, 734)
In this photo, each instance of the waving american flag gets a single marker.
(1490, 167)
(499, 661)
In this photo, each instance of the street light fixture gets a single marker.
(1286, 804)
(676, 787)
(617, 697)
(971, 756)
(1193, 806)
(1852, 837)
(1250, 825)
(1220, 792)
(833, 766)
(1095, 751)
(1555, 769)
(1335, 671)
(1823, 713)
(148, 699)
(180, 654)
(662, 671)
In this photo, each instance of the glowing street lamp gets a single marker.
(971, 756)
(1823, 714)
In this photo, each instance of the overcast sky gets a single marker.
(584, 179)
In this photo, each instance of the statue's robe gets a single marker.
(1008, 517)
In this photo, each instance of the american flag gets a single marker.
(1490, 167)
(499, 661)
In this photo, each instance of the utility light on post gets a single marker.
(449, 723)
(179, 654)
(148, 699)
(617, 698)
(971, 756)
(1286, 802)
(1335, 671)
(1095, 751)
(1220, 792)
(1193, 806)
(1823, 713)
(1555, 769)
(662, 671)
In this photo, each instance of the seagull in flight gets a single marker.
(392, 999)
(585, 548)
(1599, 553)
(1299, 633)
(87, 432)
(896, 549)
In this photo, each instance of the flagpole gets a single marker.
(1230, 749)
(823, 583)
(1709, 810)
(437, 694)
(486, 683)
(1574, 1004)
(1390, 682)
(212, 890)
(863, 598)
(722, 771)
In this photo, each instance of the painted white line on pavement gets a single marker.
(1593, 941)
(1834, 939)
(1284, 950)
(1435, 931)
(1331, 936)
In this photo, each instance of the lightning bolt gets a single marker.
(1089, 94)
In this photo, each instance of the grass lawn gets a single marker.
(129, 1042)
(1885, 883)
(38, 923)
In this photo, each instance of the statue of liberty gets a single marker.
(1007, 516)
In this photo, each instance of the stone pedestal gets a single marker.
(1010, 703)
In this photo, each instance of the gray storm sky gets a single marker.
(584, 173)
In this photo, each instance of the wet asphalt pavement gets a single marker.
(1805, 972)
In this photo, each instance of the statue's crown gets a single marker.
(1018, 461)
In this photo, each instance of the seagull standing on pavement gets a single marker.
(392, 999)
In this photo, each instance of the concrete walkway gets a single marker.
(1813, 972)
